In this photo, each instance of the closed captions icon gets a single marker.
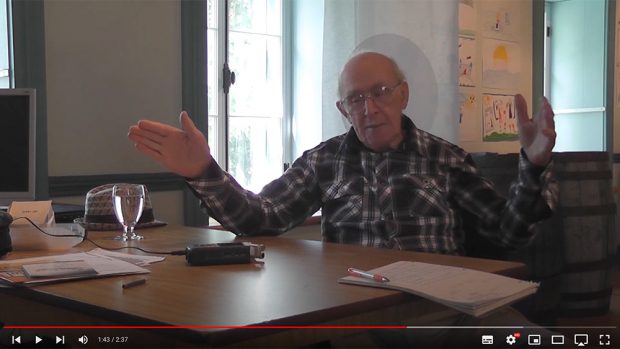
(487, 339)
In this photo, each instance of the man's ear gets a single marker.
(404, 92)
(342, 110)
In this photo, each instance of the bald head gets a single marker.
(362, 62)
(372, 95)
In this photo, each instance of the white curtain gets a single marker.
(421, 35)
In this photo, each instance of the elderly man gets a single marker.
(385, 183)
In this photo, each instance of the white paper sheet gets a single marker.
(11, 270)
(471, 291)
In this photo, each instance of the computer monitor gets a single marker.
(17, 145)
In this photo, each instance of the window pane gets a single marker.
(580, 132)
(247, 15)
(255, 16)
(577, 71)
(274, 22)
(212, 87)
(212, 137)
(4, 46)
(212, 14)
(257, 63)
(255, 151)
(255, 103)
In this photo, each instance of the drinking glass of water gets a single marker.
(128, 201)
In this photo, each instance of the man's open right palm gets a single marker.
(184, 151)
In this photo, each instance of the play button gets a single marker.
(37, 339)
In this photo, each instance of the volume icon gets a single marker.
(83, 339)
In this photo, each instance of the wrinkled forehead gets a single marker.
(366, 71)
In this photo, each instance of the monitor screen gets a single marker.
(17, 145)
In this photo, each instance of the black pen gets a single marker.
(134, 283)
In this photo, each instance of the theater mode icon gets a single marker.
(487, 339)
(557, 339)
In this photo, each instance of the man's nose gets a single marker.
(370, 105)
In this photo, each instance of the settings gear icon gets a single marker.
(510, 339)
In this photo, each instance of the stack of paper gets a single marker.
(470, 291)
(70, 266)
(58, 269)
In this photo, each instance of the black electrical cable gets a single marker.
(174, 253)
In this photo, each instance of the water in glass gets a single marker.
(128, 200)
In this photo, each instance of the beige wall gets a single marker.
(110, 63)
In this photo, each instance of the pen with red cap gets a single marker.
(367, 275)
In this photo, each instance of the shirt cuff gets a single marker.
(213, 173)
(530, 175)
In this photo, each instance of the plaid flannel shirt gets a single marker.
(418, 197)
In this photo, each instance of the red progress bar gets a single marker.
(205, 327)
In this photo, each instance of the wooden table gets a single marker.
(295, 286)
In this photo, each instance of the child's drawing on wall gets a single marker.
(499, 118)
(469, 129)
(466, 61)
(500, 19)
(501, 64)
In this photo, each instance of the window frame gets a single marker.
(8, 34)
(219, 147)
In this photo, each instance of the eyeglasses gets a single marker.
(356, 104)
